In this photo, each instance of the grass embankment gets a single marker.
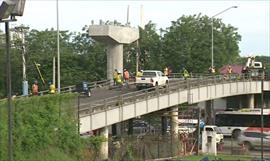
(221, 157)
(45, 128)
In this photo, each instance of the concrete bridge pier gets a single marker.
(114, 37)
(104, 149)
(174, 128)
(251, 101)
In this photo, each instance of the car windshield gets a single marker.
(149, 74)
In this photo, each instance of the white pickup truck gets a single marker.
(151, 78)
(219, 136)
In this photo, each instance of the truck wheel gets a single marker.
(166, 84)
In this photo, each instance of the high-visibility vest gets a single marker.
(126, 75)
(35, 89)
(115, 74)
(230, 70)
(139, 74)
(166, 71)
(119, 78)
(52, 88)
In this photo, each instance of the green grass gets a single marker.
(222, 157)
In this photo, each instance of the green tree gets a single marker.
(187, 43)
(149, 50)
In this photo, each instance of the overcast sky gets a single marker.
(251, 17)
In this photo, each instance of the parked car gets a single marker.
(252, 139)
(188, 125)
(151, 78)
(140, 126)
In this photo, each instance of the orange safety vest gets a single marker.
(35, 89)
(126, 75)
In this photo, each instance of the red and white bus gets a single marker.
(233, 122)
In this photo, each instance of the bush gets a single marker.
(43, 126)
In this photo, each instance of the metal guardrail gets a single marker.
(72, 88)
(180, 84)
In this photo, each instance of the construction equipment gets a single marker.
(40, 75)
(253, 68)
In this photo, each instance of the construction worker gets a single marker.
(139, 73)
(212, 70)
(126, 76)
(119, 79)
(166, 71)
(115, 74)
(35, 88)
(229, 71)
(52, 88)
(185, 74)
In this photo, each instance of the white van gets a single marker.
(188, 125)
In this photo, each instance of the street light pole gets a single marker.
(262, 118)
(212, 26)
(10, 109)
(58, 50)
(21, 30)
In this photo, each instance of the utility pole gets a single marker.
(21, 31)
(262, 118)
(58, 50)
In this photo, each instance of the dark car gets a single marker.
(140, 126)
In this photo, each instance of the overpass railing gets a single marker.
(72, 88)
(133, 97)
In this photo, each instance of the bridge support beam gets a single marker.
(251, 101)
(114, 59)
(174, 129)
(104, 149)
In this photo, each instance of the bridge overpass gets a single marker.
(117, 106)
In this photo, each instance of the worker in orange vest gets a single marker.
(126, 77)
(35, 88)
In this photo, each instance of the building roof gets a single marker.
(236, 69)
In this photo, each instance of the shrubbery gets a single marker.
(45, 128)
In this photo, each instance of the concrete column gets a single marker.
(104, 149)
(114, 59)
(251, 101)
(174, 120)
(174, 129)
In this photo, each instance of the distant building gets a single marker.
(236, 69)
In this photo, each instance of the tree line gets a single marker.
(185, 44)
